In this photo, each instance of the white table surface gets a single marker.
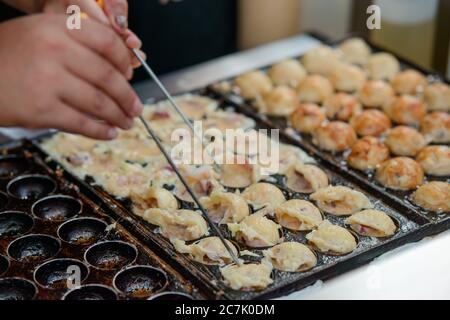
(414, 271)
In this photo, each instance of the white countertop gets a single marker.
(414, 271)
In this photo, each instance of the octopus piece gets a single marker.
(355, 50)
(314, 88)
(307, 117)
(298, 215)
(334, 136)
(437, 96)
(253, 84)
(256, 231)
(376, 94)
(435, 160)
(433, 196)
(225, 207)
(408, 82)
(400, 173)
(405, 141)
(342, 106)
(306, 178)
(435, 126)
(209, 251)
(347, 77)
(291, 257)
(281, 102)
(382, 66)
(247, 277)
(320, 60)
(184, 225)
(264, 196)
(340, 200)
(406, 109)
(367, 153)
(372, 223)
(287, 73)
(332, 239)
(153, 197)
(371, 123)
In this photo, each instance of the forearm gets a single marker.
(28, 6)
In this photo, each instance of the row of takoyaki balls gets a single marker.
(371, 95)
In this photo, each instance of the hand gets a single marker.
(53, 77)
(113, 12)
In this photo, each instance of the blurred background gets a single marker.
(180, 33)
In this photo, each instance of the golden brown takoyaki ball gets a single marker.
(405, 141)
(347, 77)
(435, 126)
(314, 88)
(281, 101)
(355, 50)
(437, 96)
(307, 117)
(367, 153)
(400, 173)
(435, 160)
(371, 123)
(408, 82)
(382, 66)
(434, 196)
(334, 136)
(341, 106)
(376, 93)
(253, 84)
(406, 109)
(288, 73)
(320, 60)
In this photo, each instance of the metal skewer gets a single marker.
(153, 135)
(174, 105)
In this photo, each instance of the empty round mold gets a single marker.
(57, 208)
(3, 200)
(111, 255)
(4, 265)
(17, 289)
(34, 248)
(91, 292)
(32, 186)
(14, 223)
(140, 282)
(82, 231)
(12, 165)
(171, 296)
(60, 273)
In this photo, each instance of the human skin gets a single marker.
(68, 79)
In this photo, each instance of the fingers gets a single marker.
(70, 120)
(117, 12)
(131, 40)
(93, 102)
(97, 71)
(135, 63)
(106, 42)
(93, 10)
